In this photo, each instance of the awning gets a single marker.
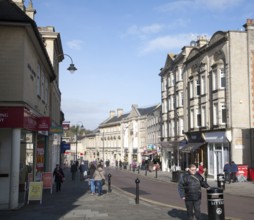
(148, 153)
(216, 137)
(190, 147)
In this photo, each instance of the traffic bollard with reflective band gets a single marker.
(221, 181)
(215, 204)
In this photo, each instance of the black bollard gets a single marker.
(109, 182)
(138, 169)
(146, 170)
(156, 174)
(137, 181)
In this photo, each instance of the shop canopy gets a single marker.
(149, 152)
(190, 147)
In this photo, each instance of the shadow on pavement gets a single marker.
(55, 205)
(181, 214)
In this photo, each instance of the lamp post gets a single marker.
(77, 129)
(72, 67)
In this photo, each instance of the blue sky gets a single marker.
(119, 47)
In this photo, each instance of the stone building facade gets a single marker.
(30, 100)
(217, 100)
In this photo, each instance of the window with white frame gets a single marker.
(222, 78)
(177, 99)
(198, 118)
(165, 106)
(215, 79)
(169, 103)
(181, 99)
(172, 79)
(180, 73)
(169, 129)
(164, 84)
(38, 82)
(180, 126)
(172, 128)
(203, 85)
(223, 114)
(172, 102)
(203, 116)
(192, 118)
(198, 87)
(169, 80)
(191, 89)
(215, 114)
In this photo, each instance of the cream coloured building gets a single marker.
(217, 77)
(30, 99)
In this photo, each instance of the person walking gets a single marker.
(82, 171)
(91, 172)
(234, 170)
(99, 177)
(59, 177)
(201, 169)
(189, 188)
(73, 171)
(227, 171)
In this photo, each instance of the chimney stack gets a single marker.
(112, 114)
(119, 112)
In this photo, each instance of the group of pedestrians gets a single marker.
(94, 174)
(96, 178)
(230, 170)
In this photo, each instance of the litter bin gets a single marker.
(215, 202)
(176, 175)
(221, 180)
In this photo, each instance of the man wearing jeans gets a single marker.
(189, 188)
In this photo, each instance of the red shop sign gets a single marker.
(20, 117)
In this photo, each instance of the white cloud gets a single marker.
(145, 30)
(183, 5)
(74, 44)
(218, 4)
(168, 43)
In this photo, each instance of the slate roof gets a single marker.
(146, 111)
(142, 112)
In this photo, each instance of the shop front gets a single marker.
(193, 152)
(218, 152)
(22, 151)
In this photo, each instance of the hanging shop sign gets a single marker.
(56, 130)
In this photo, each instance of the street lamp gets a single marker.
(103, 139)
(77, 129)
(72, 67)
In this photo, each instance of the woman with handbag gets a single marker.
(59, 177)
(99, 177)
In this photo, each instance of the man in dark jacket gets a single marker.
(234, 170)
(227, 171)
(189, 188)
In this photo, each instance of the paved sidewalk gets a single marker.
(74, 202)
